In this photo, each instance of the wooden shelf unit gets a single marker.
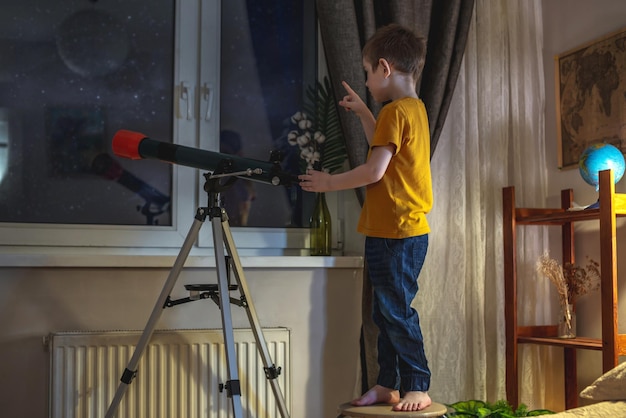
(612, 345)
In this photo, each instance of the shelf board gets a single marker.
(578, 342)
(529, 216)
(557, 216)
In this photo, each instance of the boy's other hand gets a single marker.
(315, 181)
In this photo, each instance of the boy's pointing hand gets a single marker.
(351, 101)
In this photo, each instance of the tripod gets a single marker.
(222, 239)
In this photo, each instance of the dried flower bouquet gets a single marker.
(571, 282)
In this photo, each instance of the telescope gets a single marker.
(136, 146)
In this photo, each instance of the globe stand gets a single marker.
(594, 205)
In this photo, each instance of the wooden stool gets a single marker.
(386, 411)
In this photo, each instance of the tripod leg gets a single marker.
(233, 384)
(270, 368)
(131, 369)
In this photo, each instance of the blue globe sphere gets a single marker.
(598, 157)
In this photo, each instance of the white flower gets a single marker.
(305, 153)
(308, 140)
(305, 124)
(297, 117)
(319, 137)
(303, 140)
(292, 137)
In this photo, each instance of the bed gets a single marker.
(605, 409)
(609, 391)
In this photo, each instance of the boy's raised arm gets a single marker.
(352, 102)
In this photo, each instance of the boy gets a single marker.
(393, 218)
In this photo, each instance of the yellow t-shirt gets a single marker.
(396, 206)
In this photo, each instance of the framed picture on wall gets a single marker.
(591, 97)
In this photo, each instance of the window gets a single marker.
(78, 71)
(266, 65)
(87, 72)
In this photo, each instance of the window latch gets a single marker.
(207, 96)
(183, 96)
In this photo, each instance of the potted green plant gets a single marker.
(500, 409)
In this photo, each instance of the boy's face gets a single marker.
(377, 80)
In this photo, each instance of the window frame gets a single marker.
(196, 86)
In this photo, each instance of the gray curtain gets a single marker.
(345, 25)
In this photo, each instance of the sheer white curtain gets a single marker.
(493, 137)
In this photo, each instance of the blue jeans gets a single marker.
(394, 265)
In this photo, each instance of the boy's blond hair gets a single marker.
(402, 48)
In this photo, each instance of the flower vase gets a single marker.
(320, 227)
(567, 322)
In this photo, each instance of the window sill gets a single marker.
(88, 258)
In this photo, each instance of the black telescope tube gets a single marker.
(134, 145)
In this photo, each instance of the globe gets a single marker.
(598, 157)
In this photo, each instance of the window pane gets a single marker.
(72, 73)
(268, 58)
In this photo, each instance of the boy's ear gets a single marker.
(386, 66)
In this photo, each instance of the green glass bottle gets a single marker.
(321, 229)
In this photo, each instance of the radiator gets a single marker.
(179, 374)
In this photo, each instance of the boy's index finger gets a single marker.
(347, 87)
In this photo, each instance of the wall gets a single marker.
(321, 306)
(569, 24)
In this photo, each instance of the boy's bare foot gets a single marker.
(378, 394)
(413, 401)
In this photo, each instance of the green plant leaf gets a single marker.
(538, 412)
(501, 409)
(469, 408)
(485, 412)
(322, 110)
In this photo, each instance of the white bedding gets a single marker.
(605, 409)
(609, 391)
